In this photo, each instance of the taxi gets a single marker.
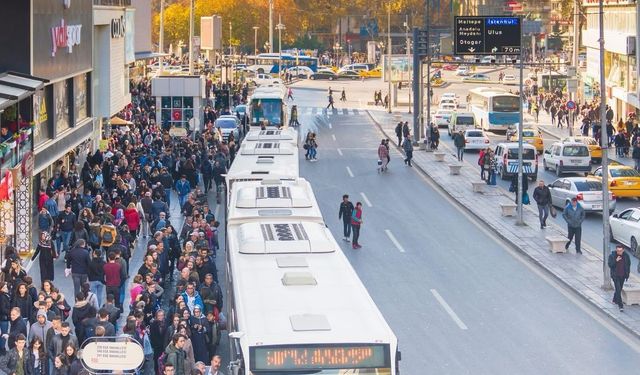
(594, 148)
(532, 137)
(373, 73)
(624, 181)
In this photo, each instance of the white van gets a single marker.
(507, 159)
(567, 157)
(461, 121)
(356, 67)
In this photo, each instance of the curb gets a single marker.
(514, 246)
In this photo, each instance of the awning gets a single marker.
(120, 122)
(150, 55)
(17, 86)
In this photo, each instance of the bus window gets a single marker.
(506, 104)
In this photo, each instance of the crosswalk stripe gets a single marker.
(329, 112)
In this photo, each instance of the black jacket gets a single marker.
(345, 211)
(612, 264)
(82, 310)
(78, 260)
(16, 327)
(96, 271)
(5, 306)
(542, 196)
(12, 361)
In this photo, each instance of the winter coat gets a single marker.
(78, 260)
(611, 262)
(82, 310)
(11, 363)
(132, 218)
(542, 196)
(573, 216)
(407, 146)
(176, 357)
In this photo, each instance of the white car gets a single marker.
(625, 228)
(449, 95)
(300, 71)
(447, 107)
(475, 139)
(442, 117)
(567, 157)
(509, 77)
(462, 71)
(587, 190)
(448, 101)
(228, 124)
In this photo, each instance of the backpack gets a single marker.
(161, 360)
(108, 234)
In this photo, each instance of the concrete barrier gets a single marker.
(557, 244)
(439, 156)
(631, 294)
(508, 209)
(454, 168)
(478, 187)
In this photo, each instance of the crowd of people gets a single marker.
(94, 219)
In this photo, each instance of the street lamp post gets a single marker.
(337, 48)
(389, 54)
(161, 37)
(255, 40)
(230, 46)
(406, 32)
(280, 27)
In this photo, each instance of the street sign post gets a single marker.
(486, 35)
(421, 43)
(571, 105)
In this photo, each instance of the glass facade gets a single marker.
(61, 93)
(81, 97)
(176, 111)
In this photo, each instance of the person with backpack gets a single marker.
(108, 234)
(174, 355)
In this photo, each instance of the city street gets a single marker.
(458, 299)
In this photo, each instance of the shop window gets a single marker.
(42, 116)
(81, 97)
(61, 92)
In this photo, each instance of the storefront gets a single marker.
(179, 101)
(114, 51)
(17, 123)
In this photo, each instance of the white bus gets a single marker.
(268, 105)
(282, 135)
(297, 306)
(270, 62)
(268, 148)
(494, 108)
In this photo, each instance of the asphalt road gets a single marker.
(459, 301)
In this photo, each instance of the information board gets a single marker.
(487, 35)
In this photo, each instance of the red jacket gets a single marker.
(41, 200)
(132, 218)
(111, 274)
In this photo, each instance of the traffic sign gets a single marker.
(571, 105)
(421, 43)
(487, 35)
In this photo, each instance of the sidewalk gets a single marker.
(582, 273)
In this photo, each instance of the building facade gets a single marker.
(620, 32)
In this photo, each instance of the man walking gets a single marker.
(407, 146)
(399, 132)
(330, 101)
(459, 141)
(77, 259)
(344, 213)
(183, 188)
(620, 265)
(574, 216)
(542, 196)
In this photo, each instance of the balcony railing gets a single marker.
(113, 3)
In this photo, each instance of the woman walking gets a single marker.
(47, 254)
(383, 156)
(356, 222)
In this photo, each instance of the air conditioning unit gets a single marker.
(631, 45)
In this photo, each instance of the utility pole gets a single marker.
(270, 26)
(520, 220)
(406, 33)
(576, 45)
(606, 282)
(255, 40)
(389, 53)
(280, 27)
(191, 12)
(427, 26)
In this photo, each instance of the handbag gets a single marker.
(525, 198)
(552, 211)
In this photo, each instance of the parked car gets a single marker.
(324, 74)
(475, 139)
(300, 71)
(625, 228)
(588, 191)
(532, 137)
(462, 71)
(509, 77)
(348, 74)
(624, 181)
(477, 77)
(567, 158)
(507, 158)
(228, 124)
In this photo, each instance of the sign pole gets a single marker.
(520, 220)
(606, 282)
(415, 84)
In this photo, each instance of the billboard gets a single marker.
(210, 33)
(401, 68)
(62, 38)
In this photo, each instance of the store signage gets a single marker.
(65, 36)
(101, 355)
(486, 35)
(607, 2)
(118, 28)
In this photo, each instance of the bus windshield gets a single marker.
(267, 109)
(505, 104)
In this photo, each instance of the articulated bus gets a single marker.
(296, 304)
(494, 108)
(269, 62)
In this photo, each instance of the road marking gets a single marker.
(349, 171)
(339, 152)
(333, 136)
(217, 212)
(394, 240)
(449, 310)
(330, 127)
(366, 200)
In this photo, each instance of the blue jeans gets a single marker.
(97, 288)
(66, 238)
(312, 153)
(78, 280)
(182, 199)
(167, 196)
(347, 227)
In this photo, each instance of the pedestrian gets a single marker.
(620, 266)
(482, 162)
(77, 261)
(383, 156)
(47, 255)
(18, 360)
(542, 196)
(525, 187)
(290, 94)
(407, 146)
(96, 275)
(344, 212)
(313, 147)
(574, 216)
(330, 101)
(356, 222)
(405, 129)
(459, 142)
(399, 133)
(112, 278)
(175, 355)
(183, 188)
(66, 223)
(343, 95)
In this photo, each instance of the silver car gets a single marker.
(588, 190)
(228, 124)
